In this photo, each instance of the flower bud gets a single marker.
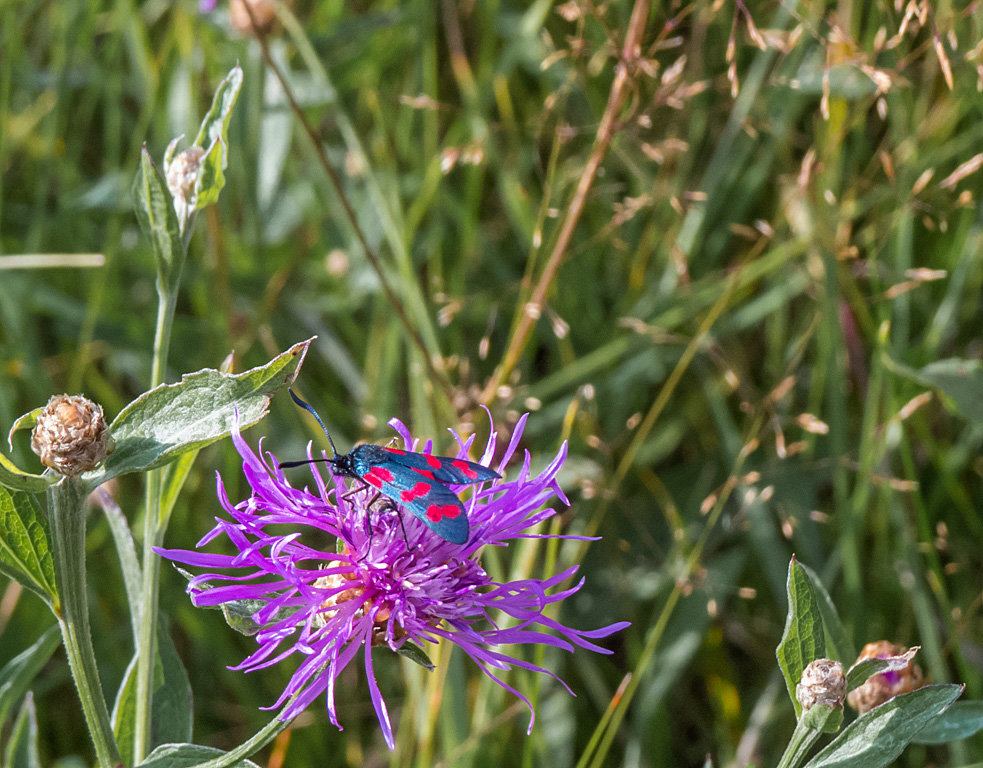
(182, 176)
(879, 688)
(823, 682)
(71, 435)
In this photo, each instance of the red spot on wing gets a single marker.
(433, 461)
(377, 476)
(437, 512)
(424, 472)
(396, 450)
(465, 468)
(420, 489)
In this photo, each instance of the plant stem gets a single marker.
(66, 508)
(153, 534)
(261, 738)
(803, 737)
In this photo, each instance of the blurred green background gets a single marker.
(782, 234)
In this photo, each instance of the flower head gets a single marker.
(822, 683)
(182, 172)
(71, 435)
(884, 686)
(389, 581)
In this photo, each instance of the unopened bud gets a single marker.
(71, 435)
(880, 688)
(182, 176)
(823, 682)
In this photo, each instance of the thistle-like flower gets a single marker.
(390, 581)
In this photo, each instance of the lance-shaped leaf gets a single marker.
(836, 635)
(187, 755)
(155, 212)
(25, 544)
(22, 744)
(960, 721)
(803, 640)
(859, 672)
(877, 737)
(417, 655)
(238, 613)
(213, 137)
(172, 714)
(215, 124)
(169, 420)
(18, 673)
(27, 421)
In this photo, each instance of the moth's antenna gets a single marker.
(313, 413)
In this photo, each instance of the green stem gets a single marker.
(803, 737)
(66, 508)
(153, 535)
(261, 738)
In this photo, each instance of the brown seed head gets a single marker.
(264, 12)
(879, 688)
(823, 682)
(71, 435)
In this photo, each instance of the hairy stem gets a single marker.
(153, 534)
(66, 508)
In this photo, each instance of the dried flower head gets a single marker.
(879, 688)
(823, 682)
(182, 176)
(263, 12)
(71, 435)
(382, 579)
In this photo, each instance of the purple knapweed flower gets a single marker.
(380, 586)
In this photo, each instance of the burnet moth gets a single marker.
(416, 481)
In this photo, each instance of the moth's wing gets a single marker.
(420, 492)
(439, 508)
(444, 469)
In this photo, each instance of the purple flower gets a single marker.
(379, 587)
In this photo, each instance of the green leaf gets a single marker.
(22, 745)
(859, 672)
(214, 137)
(172, 419)
(12, 477)
(25, 544)
(172, 714)
(155, 211)
(416, 654)
(27, 421)
(960, 380)
(803, 640)
(211, 177)
(215, 125)
(17, 674)
(239, 613)
(836, 635)
(186, 755)
(960, 721)
(877, 737)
